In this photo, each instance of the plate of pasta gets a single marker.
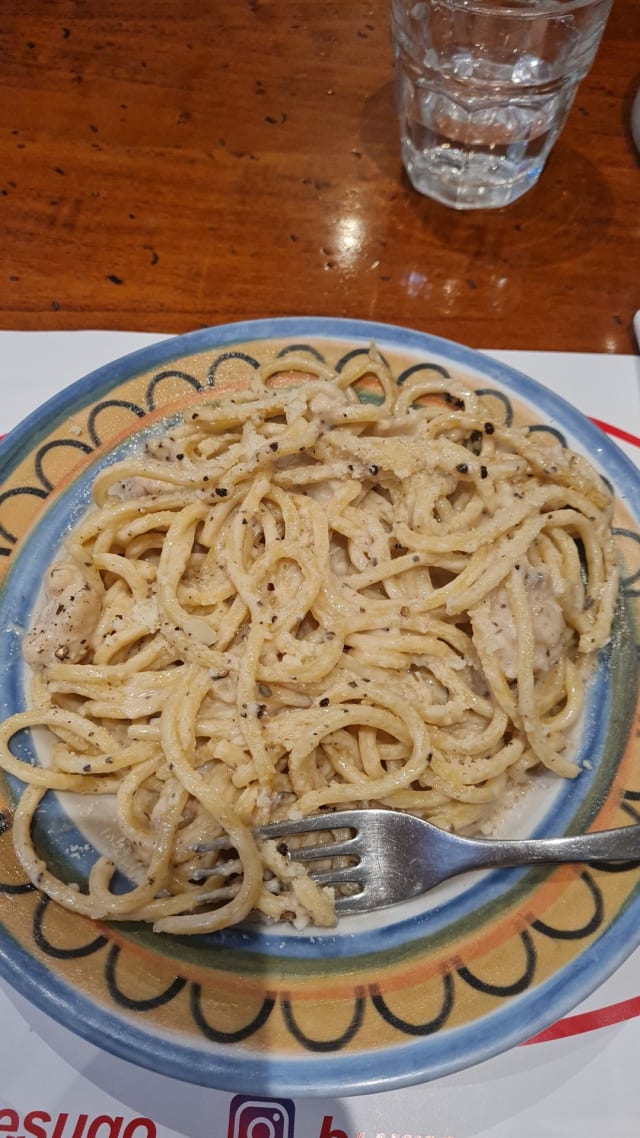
(281, 568)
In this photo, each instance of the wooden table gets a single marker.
(173, 164)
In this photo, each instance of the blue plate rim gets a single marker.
(344, 1074)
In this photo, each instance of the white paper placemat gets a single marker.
(579, 1082)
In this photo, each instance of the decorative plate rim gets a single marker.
(344, 1074)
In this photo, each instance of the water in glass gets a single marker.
(483, 90)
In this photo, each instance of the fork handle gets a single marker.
(621, 844)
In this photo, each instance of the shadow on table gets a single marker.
(632, 90)
(559, 219)
(521, 1092)
(190, 1110)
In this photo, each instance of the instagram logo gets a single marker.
(260, 1117)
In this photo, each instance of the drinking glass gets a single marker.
(483, 89)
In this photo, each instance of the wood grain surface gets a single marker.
(169, 165)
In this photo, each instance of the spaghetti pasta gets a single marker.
(309, 593)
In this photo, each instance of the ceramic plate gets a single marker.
(398, 997)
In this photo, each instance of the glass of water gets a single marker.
(483, 89)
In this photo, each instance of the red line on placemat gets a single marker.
(589, 1021)
(617, 432)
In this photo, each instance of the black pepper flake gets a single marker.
(221, 491)
(475, 438)
(179, 457)
(114, 279)
(273, 446)
(324, 702)
(489, 428)
(373, 469)
(87, 767)
(270, 586)
(262, 707)
(462, 468)
(483, 472)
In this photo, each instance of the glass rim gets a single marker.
(534, 9)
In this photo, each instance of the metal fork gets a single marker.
(397, 856)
